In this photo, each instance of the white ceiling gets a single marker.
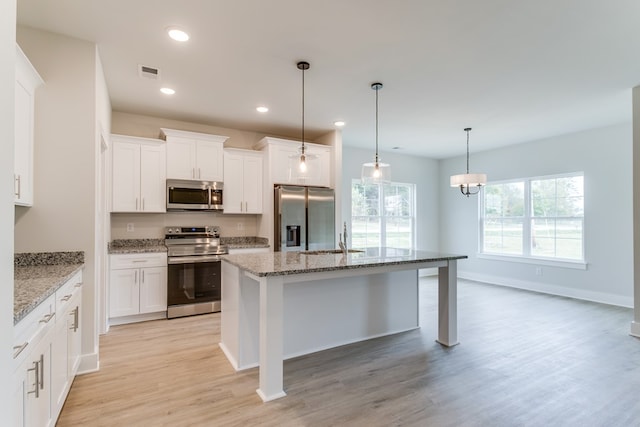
(514, 70)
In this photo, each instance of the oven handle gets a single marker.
(193, 259)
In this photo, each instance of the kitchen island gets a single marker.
(281, 305)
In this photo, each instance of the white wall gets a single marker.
(604, 155)
(7, 91)
(635, 325)
(405, 169)
(63, 215)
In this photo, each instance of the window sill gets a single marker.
(576, 265)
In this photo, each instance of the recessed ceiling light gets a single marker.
(167, 91)
(339, 123)
(177, 34)
(262, 109)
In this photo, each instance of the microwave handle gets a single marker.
(209, 198)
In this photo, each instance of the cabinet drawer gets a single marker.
(122, 261)
(65, 293)
(28, 332)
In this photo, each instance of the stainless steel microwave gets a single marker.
(187, 195)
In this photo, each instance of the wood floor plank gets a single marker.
(524, 359)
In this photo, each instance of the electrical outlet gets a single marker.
(130, 227)
(538, 271)
(240, 226)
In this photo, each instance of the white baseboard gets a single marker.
(89, 363)
(635, 329)
(545, 288)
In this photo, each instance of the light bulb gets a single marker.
(376, 171)
(303, 164)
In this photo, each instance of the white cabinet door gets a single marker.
(181, 158)
(124, 292)
(17, 395)
(59, 365)
(153, 178)
(253, 183)
(233, 182)
(126, 177)
(153, 289)
(27, 80)
(242, 182)
(209, 163)
(37, 371)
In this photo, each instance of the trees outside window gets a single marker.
(382, 215)
(534, 217)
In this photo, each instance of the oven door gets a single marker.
(193, 280)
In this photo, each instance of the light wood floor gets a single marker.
(524, 359)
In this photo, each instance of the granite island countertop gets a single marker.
(39, 275)
(137, 246)
(288, 263)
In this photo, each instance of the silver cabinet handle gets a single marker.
(66, 298)
(143, 203)
(136, 203)
(246, 206)
(75, 314)
(142, 276)
(78, 285)
(36, 389)
(47, 317)
(135, 280)
(140, 260)
(42, 372)
(193, 172)
(17, 179)
(18, 348)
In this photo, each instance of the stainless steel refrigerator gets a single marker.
(304, 218)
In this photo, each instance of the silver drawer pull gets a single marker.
(78, 285)
(46, 318)
(66, 298)
(140, 260)
(36, 384)
(18, 349)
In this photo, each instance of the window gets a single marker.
(534, 218)
(382, 215)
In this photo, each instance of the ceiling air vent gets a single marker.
(148, 72)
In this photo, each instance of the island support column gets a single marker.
(448, 304)
(271, 338)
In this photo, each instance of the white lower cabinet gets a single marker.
(137, 286)
(46, 356)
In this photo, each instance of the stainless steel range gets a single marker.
(194, 282)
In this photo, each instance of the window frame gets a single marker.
(528, 217)
(381, 208)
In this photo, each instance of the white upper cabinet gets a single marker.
(283, 159)
(242, 181)
(139, 174)
(192, 155)
(27, 80)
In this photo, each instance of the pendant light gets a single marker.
(469, 183)
(303, 157)
(376, 172)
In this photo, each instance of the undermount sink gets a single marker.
(330, 251)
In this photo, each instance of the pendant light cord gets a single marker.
(377, 88)
(303, 110)
(468, 129)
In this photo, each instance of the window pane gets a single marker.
(503, 236)
(504, 200)
(365, 232)
(399, 233)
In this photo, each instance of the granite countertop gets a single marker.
(136, 246)
(288, 263)
(39, 275)
(244, 242)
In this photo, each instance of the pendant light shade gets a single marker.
(376, 171)
(469, 183)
